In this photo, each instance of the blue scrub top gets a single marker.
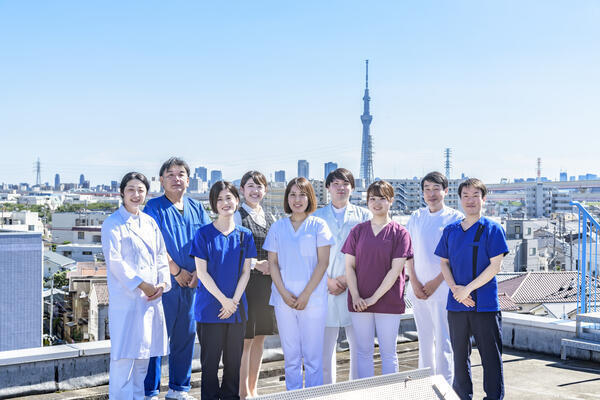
(456, 245)
(178, 230)
(222, 255)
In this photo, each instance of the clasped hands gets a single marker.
(186, 278)
(229, 307)
(296, 302)
(359, 304)
(462, 294)
(336, 286)
(151, 291)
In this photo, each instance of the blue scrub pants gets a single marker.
(486, 327)
(178, 304)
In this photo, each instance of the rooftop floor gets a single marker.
(526, 375)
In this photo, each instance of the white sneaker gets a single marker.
(150, 397)
(177, 395)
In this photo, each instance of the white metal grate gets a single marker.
(415, 384)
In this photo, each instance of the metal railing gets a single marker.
(587, 254)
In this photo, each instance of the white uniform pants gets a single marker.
(126, 378)
(329, 347)
(301, 334)
(365, 324)
(435, 349)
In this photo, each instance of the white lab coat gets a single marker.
(135, 252)
(337, 306)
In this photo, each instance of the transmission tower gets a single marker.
(38, 172)
(448, 162)
(539, 169)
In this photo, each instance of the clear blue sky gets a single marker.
(102, 88)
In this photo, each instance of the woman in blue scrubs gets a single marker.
(222, 251)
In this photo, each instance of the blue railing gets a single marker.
(587, 252)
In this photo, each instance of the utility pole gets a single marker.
(571, 245)
(51, 307)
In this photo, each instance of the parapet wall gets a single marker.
(76, 366)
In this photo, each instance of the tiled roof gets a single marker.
(506, 303)
(101, 289)
(502, 276)
(543, 287)
(58, 259)
(510, 286)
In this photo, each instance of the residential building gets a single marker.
(523, 247)
(21, 221)
(98, 313)
(55, 262)
(320, 191)
(81, 252)
(78, 227)
(20, 290)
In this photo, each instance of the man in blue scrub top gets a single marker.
(179, 217)
(471, 254)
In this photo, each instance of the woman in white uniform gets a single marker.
(137, 276)
(298, 249)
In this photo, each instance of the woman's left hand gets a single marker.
(370, 301)
(263, 266)
(302, 301)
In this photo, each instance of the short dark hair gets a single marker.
(342, 174)
(217, 188)
(474, 183)
(131, 176)
(256, 176)
(305, 187)
(381, 188)
(174, 161)
(435, 177)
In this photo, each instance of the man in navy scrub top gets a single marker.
(179, 217)
(471, 254)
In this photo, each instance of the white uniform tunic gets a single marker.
(135, 252)
(337, 306)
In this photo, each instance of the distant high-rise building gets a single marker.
(563, 176)
(81, 179)
(57, 182)
(366, 153)
(114, 186)
(201, 173)
(329, 168)
(303, 168)
(21, 254)
(215, 176)
(280, 176)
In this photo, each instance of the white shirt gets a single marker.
(297, 256)
(257, 215)
(425, 230)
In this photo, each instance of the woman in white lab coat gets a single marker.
(137, 276)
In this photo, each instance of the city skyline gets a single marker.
(101, 90)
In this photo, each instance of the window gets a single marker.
(96, 239)
(517, 228)
(86, 253)
(529, 231)
(532, 251)
(67, 253)
(80, 235)
(31, 228)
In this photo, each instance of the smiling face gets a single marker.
(340, 191)
(379, 205)
(253, 192)
(227, 203)
(297, 200)
(472, 201)
(175, 181)
(134, 195)
(434, 194)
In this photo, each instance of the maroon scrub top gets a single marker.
(374, 255)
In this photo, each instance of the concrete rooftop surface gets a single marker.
(527, 376)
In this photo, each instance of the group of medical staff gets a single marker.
(173, 273)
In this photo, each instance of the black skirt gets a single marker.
(261, 316)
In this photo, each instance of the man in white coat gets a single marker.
(137, 276)
(341, 217)
(428, 292)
